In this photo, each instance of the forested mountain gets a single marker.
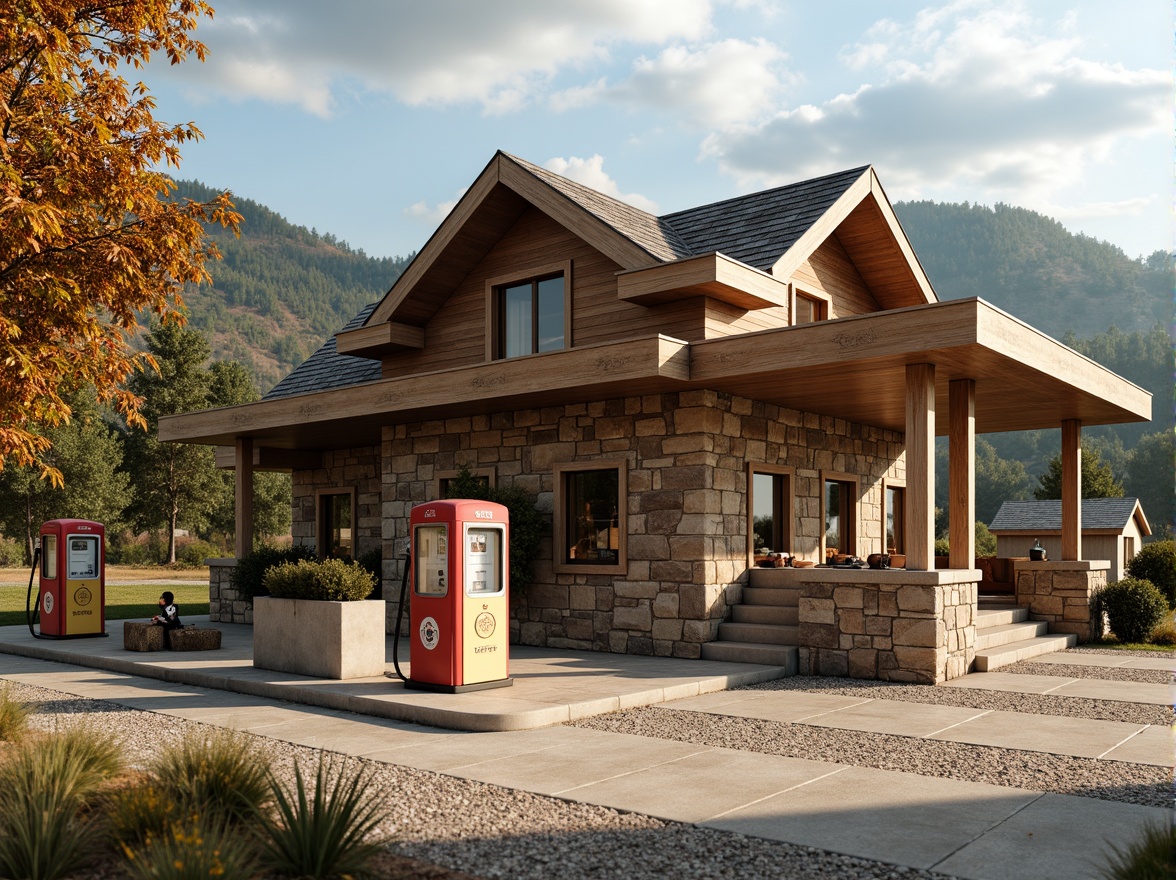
(280, 290)
(1035, 269)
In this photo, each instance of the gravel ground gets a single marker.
(444, 826)
(1146, 676)
(1033, 704)
(1036, 771)
(1125, 654)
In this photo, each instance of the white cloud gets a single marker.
(590, 172)
(498, 55)
(432, 215)
(966, 95)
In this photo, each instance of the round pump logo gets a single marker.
(430, 635)
(484, 625)
(47, 603)
(83, 596)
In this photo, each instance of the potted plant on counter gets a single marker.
(317, 620)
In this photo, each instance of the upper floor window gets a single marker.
(530, 317)
(809, 306)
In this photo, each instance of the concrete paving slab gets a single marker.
(1153, 745)
(1011, 682)
(1057, 837)
(1122, 691)
(703, 786)
(1052, 734)
(1121, 660)
(880, 814)
(901, 719)
(453, 752)
(783, 706)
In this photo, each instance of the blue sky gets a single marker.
(367, 118)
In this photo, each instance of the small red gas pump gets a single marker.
(72, 594)
(459, 622)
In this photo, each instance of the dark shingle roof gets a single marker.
(1097, 513)
(327, 369)
(757, 229)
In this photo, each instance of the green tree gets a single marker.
(1097, 479)
(87, 454)
(175, 483)
(1151, 477)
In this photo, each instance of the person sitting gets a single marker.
(168, 616)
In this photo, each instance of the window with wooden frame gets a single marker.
(530, 314)
(486, 476)
(894, 517)
(809, 305)
(770, 506)
(335, 522)
(839, 493)
(590, 529)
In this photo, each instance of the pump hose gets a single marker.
(29, 612)
(399, 618)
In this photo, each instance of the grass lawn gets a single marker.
(123, 601)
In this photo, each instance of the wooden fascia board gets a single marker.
(901, 239)
(1002, 332)
(377, 339)
(574, 217)
(1141, 518)
(715, 275)
(1049, 533)
(607, 367)
(448, 230)
(270, 458)
(825, 226)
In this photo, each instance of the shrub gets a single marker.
(139, 812)
(1150, 857)
(250, 570)
(194, 553)
(1133, 607)
(331, 579)
(14, 715)
(12, 553)
(323, 834)
(222, 775)
(194, 850)
(1156, 562)
(373, 561)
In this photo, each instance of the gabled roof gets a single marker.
(1105, 514)
(328, 369)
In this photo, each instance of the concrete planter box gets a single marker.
(324, 639)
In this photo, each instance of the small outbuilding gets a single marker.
(1112, 529)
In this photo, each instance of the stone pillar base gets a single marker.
(1061, 594)
(224, 605)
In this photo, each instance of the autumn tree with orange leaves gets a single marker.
(89, 238)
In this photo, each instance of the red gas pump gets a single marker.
(72, 594)
(459, 624)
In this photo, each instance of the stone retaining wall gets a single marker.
(1061, 593)
(914, 626)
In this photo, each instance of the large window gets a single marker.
(530, 316)
(839, 514)
(590, 527)
(336, 523)
(895, 519)
(770, 509)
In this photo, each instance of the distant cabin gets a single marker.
(1112, 529)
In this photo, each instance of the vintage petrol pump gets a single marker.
(459, 623)
(73, 579)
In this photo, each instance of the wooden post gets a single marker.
(1071, 490)
(244, 495)
(920, 466)
(961, 508)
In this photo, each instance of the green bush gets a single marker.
(1133, 608)
(14, 715)
(1156, 562)
(12, 553)
(331, 579)
(323, 833)
(195, 850)
(195, 552)
(373, 561)
(1150, 857)
(250, 570)
(222, 775)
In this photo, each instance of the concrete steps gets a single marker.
(762, 629)
(1005, 635)
(786, 656)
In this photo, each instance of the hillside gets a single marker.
(1034, 268)
(280, 290)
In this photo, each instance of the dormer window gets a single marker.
(529, 316)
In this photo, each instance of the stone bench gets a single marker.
(148, 637)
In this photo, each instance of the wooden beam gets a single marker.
(920, 466)
(1071, 490)
(962, 469)
(271, 458)
(377, 339)
(244, 496)
(714, 275)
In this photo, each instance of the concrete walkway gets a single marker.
(970, 829)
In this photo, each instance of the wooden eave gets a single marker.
(267, 458)
(1050, 533)
(713, 275)
(376, 340)
(865, 224)
(852, 369)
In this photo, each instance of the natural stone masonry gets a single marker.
(224, 605)
(357, 469)
(915, 626)
(1061, 593)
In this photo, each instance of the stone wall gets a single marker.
(1061, 593)
(223, 604)
(357, 469)
(687, 455)
(915, 626)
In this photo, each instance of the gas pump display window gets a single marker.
(49, 557)
(483, 561)
(431, 560)
(83, 557)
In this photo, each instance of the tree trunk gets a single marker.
(30, 530)
(171, 535)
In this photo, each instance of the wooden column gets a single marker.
(243, 462)
(962, 468)
(920, 466)
(1071, 490)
